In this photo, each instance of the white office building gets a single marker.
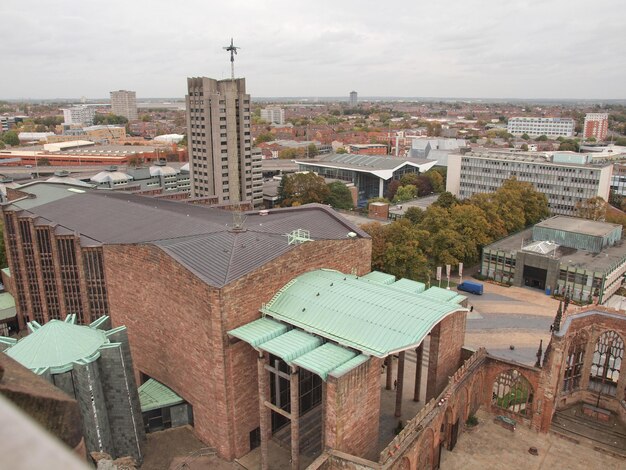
(273, 115)
(79, 115)
(566, 178)
(536, 126)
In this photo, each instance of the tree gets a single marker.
(396, 249)
(525, 136)
(302, 188)
(11, 138)
(341, 150)
(524, 147)
(569, 145)
(446, 200)
(392, 188)
(312, 150)
(43, 162)
(424, 186)
(340, 196)
(469, 222)
(486, 201)
(436, 181)
(288, 154)
(542, 138)
(266, 137)
(405, 193)
(409, 178)
(592, 209)
(2, 145)
(109, 119)
(414, 214)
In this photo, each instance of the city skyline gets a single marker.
(528, 50)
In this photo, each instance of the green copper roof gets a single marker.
(348, 366)
(443, 295)
(381, 278)
(324, 359)
(6, 271)
(57, 345)
(370, 317)
(154, 395)
(407, 285)
(291, 345)
(260, 331)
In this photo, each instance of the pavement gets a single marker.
(492, 447)
(510, 321)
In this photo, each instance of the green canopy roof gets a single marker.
(374, 318)
(324, 359)
(154, 395)
(291, 345)
(7, 306)
(57, 345)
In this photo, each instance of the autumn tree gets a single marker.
(446, 200)
(592, 209)
(414, 214)
(302, 188)
(405, 193)
(266, 137)
(392, 188)
(436, 181)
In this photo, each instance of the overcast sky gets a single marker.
(416, 48)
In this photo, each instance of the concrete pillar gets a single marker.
(389, 362)
(381, 186)
(264, 412)
(294, 394)
(419, 352)
(400, 384)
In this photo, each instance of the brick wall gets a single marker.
(177, 327)
(352, 408)
(446, 343)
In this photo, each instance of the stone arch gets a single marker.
(574, 358)
(606, 363)
(425, 450)
(512, 391)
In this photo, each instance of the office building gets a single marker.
(561, 255)
(354, 98)
(222, 163)
(124, 103)
(79, 116)
(566, 178)
(91, 363)
(536, 126)
(371, 174)
(596, 125)
(273, 115)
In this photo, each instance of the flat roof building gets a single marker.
(79, 115)
(371, 174)
(566, 178)
(124, 103)
(562, 255)
(551, 127)
(273, 115)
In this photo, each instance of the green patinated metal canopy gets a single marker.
(328, 322)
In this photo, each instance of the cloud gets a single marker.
(465, 48)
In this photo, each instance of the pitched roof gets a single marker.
(200, 238)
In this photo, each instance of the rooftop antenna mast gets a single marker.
(233, 52)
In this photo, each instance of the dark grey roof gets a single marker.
(201, 238)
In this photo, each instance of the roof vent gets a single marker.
(351, 235)
(298, 237)
(264, 212)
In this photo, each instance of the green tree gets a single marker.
(397, 249)
(10, 138)
(542, 138)
(2, 145)
(302, 188)
(405, 193)
(486, 201)
(469, 222)
(525, 136)
(569, 145)
(109, 119)
(414, 214)
(409, 179)
(340, 196)
(436, 181)
(288, 154)
(312, 150)
(341, 150)
(524, 147)
(446, 200)
(266, 137)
